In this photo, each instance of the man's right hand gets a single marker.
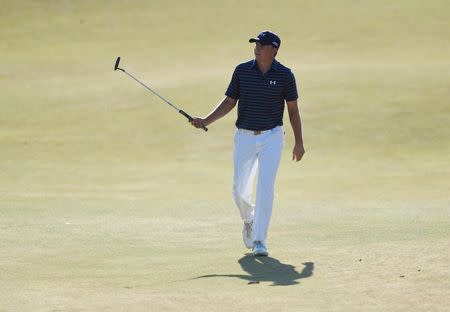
(198, 122)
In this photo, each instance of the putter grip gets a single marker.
(189, 117)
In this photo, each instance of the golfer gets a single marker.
(259, 87)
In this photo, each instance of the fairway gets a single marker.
(111, 201)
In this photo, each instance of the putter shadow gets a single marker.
(268, 269)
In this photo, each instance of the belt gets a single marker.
(255, 132)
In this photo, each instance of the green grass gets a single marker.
(109, 200)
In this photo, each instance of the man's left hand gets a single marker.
(298, 152)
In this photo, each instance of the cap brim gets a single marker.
(263, 43)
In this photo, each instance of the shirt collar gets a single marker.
(273, 67)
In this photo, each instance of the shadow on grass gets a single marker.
(267, 269)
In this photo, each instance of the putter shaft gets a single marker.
(149, 89)
(116, 67)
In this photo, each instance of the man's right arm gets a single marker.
(221, 110)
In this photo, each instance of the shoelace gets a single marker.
(259, 245)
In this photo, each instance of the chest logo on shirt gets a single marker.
(273, 82)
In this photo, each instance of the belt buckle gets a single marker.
(257, 132)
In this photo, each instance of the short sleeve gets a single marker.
(290, 89)
(233, 88)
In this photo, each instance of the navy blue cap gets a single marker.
(267, 38)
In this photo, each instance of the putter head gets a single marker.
(117, 63)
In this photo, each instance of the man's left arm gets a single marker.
(296, 123)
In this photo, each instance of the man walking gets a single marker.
(260, 87)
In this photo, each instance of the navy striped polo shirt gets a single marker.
(261, 97)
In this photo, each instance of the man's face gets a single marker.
(264, 52)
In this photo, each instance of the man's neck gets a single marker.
(264, 67)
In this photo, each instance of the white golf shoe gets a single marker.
(247, 234)
(259, 250)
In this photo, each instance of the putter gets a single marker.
(116, 67)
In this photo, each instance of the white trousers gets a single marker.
(252, 152)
